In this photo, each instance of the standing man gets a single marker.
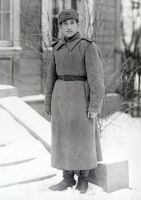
(74, 96)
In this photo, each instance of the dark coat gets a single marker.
(73, 134)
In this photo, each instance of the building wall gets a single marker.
(28, 69)
(5, 71)
(108, 39)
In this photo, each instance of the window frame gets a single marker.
(12, 47)
(6, 43)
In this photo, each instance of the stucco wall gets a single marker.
(28, 69)
(108, 39)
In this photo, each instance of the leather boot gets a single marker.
(68, 181)
(82, 185)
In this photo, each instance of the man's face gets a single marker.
(69, 27)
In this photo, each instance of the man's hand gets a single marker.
(92, 115)
(48, 116)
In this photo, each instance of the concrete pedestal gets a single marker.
(111, 176)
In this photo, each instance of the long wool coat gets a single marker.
(75, 141)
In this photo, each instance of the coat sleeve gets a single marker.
(95, 76)
(51, 78)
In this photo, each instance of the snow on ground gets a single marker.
(120, 139)
(40, 191)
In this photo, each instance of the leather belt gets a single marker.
(72, 78)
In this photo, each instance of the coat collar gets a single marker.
(71, 43)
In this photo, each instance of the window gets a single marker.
(5, 22)
(9, 28)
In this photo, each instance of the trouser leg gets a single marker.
(82, 185)
(68, 175)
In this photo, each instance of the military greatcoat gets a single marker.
(75, 145)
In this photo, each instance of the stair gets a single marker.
(25, 141)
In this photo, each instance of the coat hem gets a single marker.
(74, 168)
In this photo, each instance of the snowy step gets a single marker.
(7, 90)
(30, 119)
(2, 145)
(23, 158)
(20, 151)
(31, 170)
(111, 176)
(16, 142)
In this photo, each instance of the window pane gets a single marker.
(74, 4)
(5, 5)
(5, 20)
(5, 27)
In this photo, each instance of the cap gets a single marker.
(68, 14)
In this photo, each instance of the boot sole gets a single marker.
(83, 192)
(54, 189)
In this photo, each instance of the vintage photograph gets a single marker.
(70, 99)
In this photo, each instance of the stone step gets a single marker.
(25, 172)
(14, 139)
(36, 125)
(15, 152)
(36, 102)
(7, 90)
(23, 158)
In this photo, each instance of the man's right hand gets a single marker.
(48, 116)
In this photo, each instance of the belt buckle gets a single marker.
(72, 78)
(63, 77)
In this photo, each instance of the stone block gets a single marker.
(7, 91)
(111, 176)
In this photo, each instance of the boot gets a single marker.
(82, 185)
(68, 181)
